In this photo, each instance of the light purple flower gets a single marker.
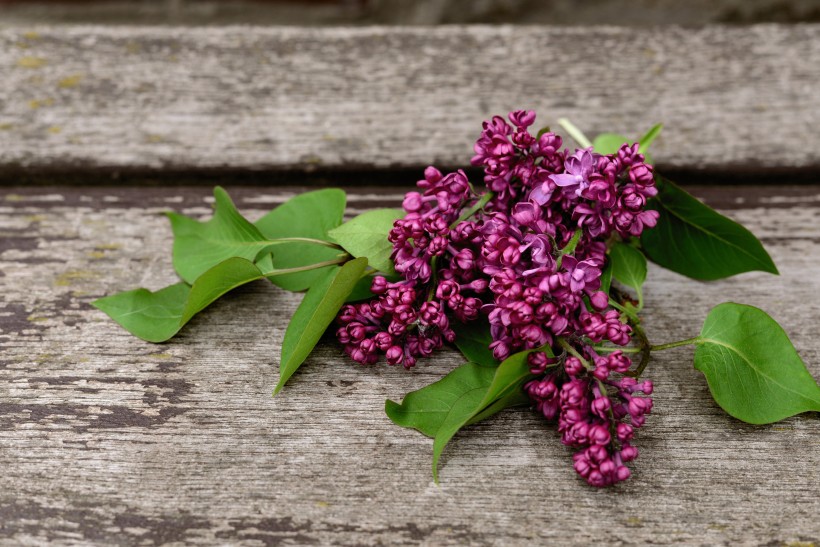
(579, 167)
(580, 273)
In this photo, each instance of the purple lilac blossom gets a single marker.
(506, 265)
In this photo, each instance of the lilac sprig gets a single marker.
(528, 256)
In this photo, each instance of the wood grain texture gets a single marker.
(108, 439)
(86, 98)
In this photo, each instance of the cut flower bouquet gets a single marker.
(535, 276)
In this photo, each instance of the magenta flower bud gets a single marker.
(625, 432)
(404, 314)
(396, 328)
(465, 259)
(432, 314)
(379, 285)
(383, 340)
(573, 366)
(619, 362)
(629, 453)
(395, 355)
(412, 202)
(348, 314)
(356, 331)
(537, 362)
(470, 308)
(358, 355)
(632, 200)
(368, 346)
(623, 473)
(431, 176)
(638, 406)
(533, 296)
(522, 118)
(599, 435)
(437, 246)
(526, 213)
(478, 285)
(573, 392)
(465, 232)
(599, 301)
(646, 386)
(601, 407)
(641, 174)
(447, 289)
(607, 469)
(534, 335)
(500, 349)
(342, 335)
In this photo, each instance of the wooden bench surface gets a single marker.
(89, 98)
(108, 439)
(105, 438)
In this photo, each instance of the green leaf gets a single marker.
(648, 138)
(366, 236)
(608, 143)
(606, 276)
(628, 266)
(316, 312)
(428, 408)
(473, 341)
(753, 370)
(515, 398)
(199, 246)
(695, 240)
(157, 316)
(310, 215)
(152, 316)
(468, 394)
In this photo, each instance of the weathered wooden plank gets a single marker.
(86, 98)
(107, 439)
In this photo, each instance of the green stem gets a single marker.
(625, 311)
(679, 343)
(570, 247)
(341, 260)
(611, 349)
(572, 351)
(576, 134)
(485, 198)
(312, 241)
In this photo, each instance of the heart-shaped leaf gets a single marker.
(608, 143)
(199, 246)
(468, 394)
(606, 276)
(753, 370)
(366, 236)
(157, 316)
(628, 266)
(316, 312)
(697, 241)
(473, 341)
(309, 215)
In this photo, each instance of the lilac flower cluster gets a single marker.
(527, 256)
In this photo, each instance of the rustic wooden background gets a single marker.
(108, 439)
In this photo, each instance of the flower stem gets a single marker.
(679, 343)
(340, 260)
(574, 132)
(570, 247)
(574, 352)
(485, 198)
(310, 240)
(611, 349)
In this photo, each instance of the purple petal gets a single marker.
(564, 180)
